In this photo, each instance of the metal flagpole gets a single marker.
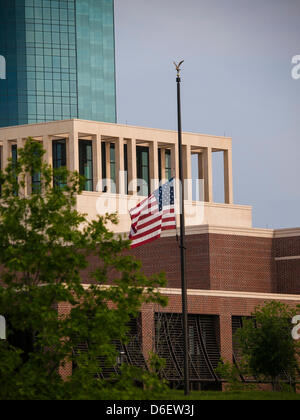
(182, 241)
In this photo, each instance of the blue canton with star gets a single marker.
(165, 195)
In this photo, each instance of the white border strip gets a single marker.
(229, 294)
(233, 231)
(296, 257)
(219, 293)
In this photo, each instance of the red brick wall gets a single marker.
(163, 255)
(223, 262)
(288, 271)
(219, 262)
(65, 370)
(287, 247)
(216, 262)
(240, 263)
(148, 330)
(288, 276)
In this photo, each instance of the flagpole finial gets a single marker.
(178, 67)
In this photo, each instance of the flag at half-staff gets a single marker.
(153, 215)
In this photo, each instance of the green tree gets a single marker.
(232, 375)
(267, 345)
(45, 246)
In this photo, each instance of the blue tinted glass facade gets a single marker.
(13, 89)
(60, 61)
(96, 60)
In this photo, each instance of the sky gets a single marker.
(236, 82)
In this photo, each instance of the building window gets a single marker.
(112, 165)
(59, 149)
(36, 183)
(142, 157)
(103, 156)
(159, 165)
(14, 154)
(86, 163)
(59, 153)
(113, 177)
(168, 164)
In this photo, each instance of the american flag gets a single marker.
(153, 215)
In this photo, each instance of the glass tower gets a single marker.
(60, 61)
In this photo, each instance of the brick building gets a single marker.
(229, 273)
(231, 266)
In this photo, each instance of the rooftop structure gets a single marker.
(123, 164)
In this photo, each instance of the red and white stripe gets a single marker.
(148, 222)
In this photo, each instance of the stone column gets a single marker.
(73, 152)
(175, 175)
(97, 163)
(148, 330)
(228, 180)
(1, 156)
(65, 369)
(47, 146)
(226, 346)
(226, 337)
(187, 172)
(208, 175)
(163, 165)
(20, 143)
(175, 161)
(23, 191)
(201, 177)
(108, 171)
(6, 153)
(120, 175)
(154, 178)
(132, 169)
(200, 166)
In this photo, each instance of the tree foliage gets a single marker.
(267, 345)
(45, 246)
(231, 374)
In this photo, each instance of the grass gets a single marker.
(242, 395)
